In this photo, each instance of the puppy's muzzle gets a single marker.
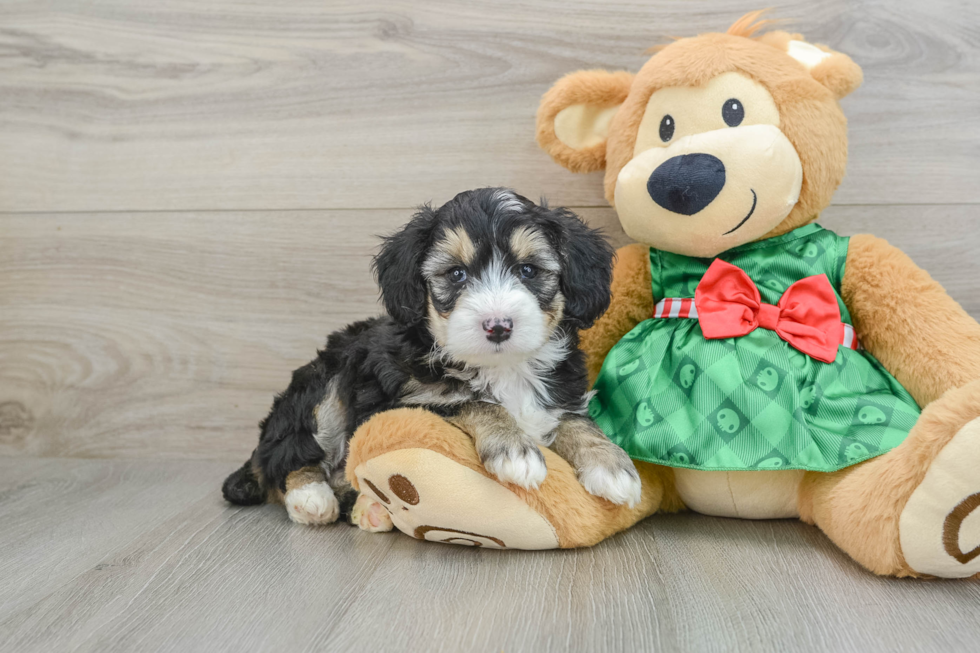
(498, 329)
(687, 183)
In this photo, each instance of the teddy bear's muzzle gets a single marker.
(711, 191)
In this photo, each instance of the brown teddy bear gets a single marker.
(752, 363)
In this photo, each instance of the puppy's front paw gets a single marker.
(370, 515)
(312, 504)
(522, 466)
(618, 484)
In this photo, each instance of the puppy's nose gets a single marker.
(498, 329)
(687, 183)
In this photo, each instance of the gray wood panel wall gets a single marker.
(190, 191)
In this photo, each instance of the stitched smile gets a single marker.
(745, 219)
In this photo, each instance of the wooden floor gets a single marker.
(189, 198)
(120, 555)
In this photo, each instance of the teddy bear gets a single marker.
(752, 364)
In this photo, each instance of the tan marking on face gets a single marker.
(555, 312)
(526, 243)
(529, 245)
(438, 324)
(456, 243)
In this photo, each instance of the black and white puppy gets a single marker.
(485, 297)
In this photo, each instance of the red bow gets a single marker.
(807, 316)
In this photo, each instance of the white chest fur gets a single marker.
(747, 495)
(520, 390)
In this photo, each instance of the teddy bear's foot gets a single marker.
(431, 497)
(939, 529)
(428, 476)
(370, 515)
(914, 511)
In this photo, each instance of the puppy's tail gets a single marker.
(244, 487)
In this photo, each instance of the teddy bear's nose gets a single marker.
(687, 183)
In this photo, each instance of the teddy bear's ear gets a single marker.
(574, 117)
(834, 70)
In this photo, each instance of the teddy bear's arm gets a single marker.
(907, 321)
(632, 302)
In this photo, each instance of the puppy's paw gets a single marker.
(522, 466)
(618, 484)
(370, 515)
(312, 504)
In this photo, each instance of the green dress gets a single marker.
(669, 396)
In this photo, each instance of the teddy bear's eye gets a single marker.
(667, 128)
(733, 112)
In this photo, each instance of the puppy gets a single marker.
(485, 297)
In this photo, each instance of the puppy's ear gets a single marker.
(586, 267)
(397, 267)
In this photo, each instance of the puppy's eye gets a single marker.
(528, 271)
(667, 128)
(733, 112)
(457, 275)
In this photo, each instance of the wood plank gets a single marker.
(673, 583)
(269, 580)
(153, 321)
(167, 335)
(208, 576)
(136, 104)
(62, 517)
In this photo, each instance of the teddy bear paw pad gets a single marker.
(312, 504)
(939, 529)
(370, 515)
(432, 497)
